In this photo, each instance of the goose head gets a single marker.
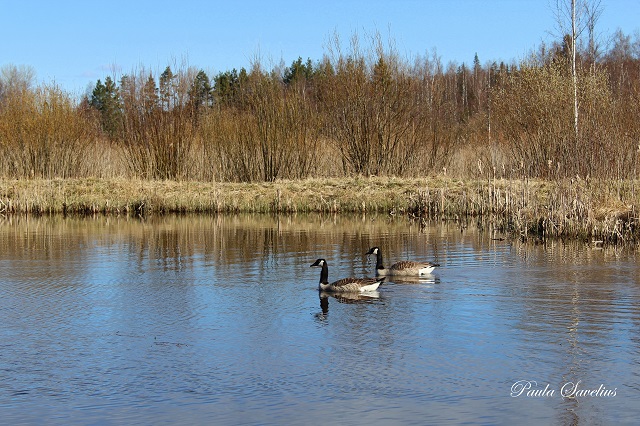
(324, 274)
(319, 263)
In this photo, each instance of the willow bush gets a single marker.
(357, 112)
(373, 113)
(44, 135)
(536, 131)
(158, 125)
(223, 158)
(533, 114)
(271, 135)
(280, 126)
(440, 127)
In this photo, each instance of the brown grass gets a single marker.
(527, 209)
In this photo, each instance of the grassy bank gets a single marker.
(120, 196)
(529, 209)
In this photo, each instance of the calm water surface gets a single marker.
(217, 320)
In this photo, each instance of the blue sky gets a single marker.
(74, 43)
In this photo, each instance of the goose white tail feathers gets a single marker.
(406, 268)
(344, 285)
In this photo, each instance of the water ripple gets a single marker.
(190, 320)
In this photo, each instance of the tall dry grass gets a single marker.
(534, 210)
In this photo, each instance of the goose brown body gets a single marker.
(405, 268)
(344, 285)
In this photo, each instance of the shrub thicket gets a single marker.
(355, 112)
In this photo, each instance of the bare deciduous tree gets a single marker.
(578, 15)
(16, 78)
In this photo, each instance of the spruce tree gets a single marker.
(200, 93)
(106, 99)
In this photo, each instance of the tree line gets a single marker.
(357, 111)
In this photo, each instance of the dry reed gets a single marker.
(527, 209)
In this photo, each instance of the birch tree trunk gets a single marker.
(573, 67)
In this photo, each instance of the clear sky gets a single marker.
(74, 43)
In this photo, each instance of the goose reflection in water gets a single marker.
(351, 298)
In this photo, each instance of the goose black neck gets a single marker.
(324, 273)
(379, 260)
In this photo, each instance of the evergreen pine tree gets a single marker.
(167, 89)
(106, 99)
(200, 93)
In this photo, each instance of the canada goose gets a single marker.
(345, 285)
(405, 268)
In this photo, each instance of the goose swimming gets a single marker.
(344, 285)
(406, 268)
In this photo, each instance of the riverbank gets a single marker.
(524, 208)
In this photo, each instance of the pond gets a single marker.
(217, 320)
